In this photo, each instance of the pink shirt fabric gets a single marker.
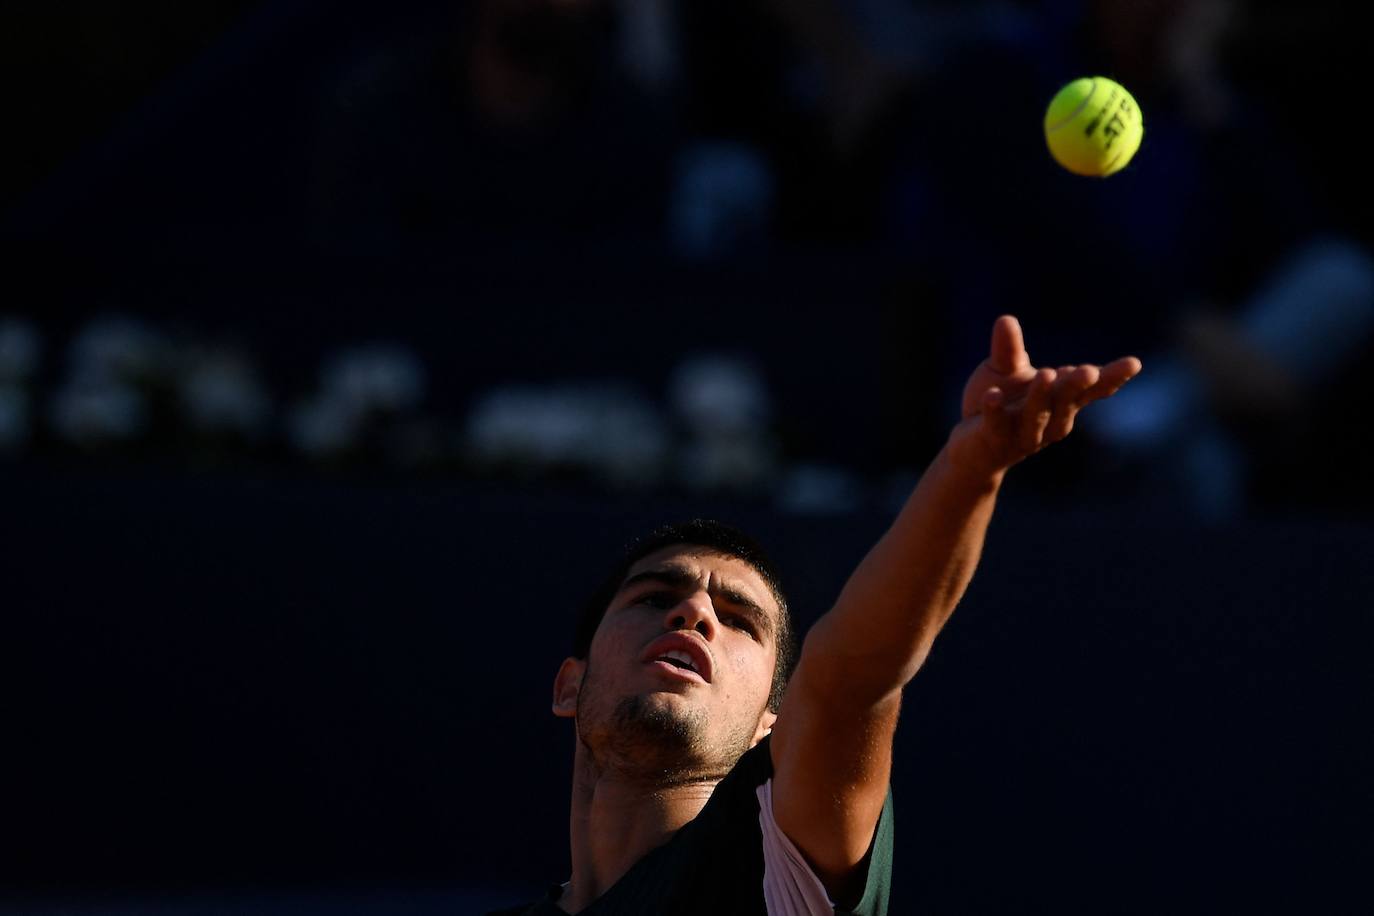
(790, 887)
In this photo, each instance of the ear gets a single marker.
(765, 725)
(566, 685)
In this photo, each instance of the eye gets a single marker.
(660, 600)
(736, 622)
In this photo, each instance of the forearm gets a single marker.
(881, 628)
(832, 742)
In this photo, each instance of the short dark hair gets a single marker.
(715, 537)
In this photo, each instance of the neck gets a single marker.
(618, 817)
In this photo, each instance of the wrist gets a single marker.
(967, 469)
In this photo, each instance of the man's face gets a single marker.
(680, 668)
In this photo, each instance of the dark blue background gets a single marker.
(250, 683)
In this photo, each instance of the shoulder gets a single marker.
(791, 885)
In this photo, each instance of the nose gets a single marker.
(694, 612)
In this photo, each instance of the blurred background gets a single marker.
(343, 345)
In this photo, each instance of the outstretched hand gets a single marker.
(1012, 410)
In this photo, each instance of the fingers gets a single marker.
(1039, 407)
(1111, 378)
(1008, 353)
(1069, 388)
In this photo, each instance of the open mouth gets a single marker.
(679, 660)
(678, 654)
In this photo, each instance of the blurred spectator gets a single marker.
(223, 397)
(805, 92)
(1254, 404)
(612, 435)
(1232, 254)
(381, 378)
(831, 94)
(115, 367)
(722, 199)
(121, 348)
(93, 410)
(506, 120)
(1216, 209)
(649, 44)
(367, 396)
(723, 407)
(605, 433)
(1270, 312)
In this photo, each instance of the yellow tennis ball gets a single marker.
(1093, 126)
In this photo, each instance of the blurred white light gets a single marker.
(91, 409)
(221, 393)
(381, 377)
(120, 347)
(718, 394)
(607, 430)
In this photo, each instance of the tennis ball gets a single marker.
(1093, 126)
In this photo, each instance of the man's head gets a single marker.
(682, 654)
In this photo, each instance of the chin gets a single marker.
(670, 717)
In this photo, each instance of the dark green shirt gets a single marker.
(714, 864)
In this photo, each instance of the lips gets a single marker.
(683, 652)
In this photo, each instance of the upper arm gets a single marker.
(832, 761)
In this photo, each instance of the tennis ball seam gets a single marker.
(1110, 167)
(1111, 130)
(1068, 119)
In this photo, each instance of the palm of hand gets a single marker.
(1013, 384)
(1011, 409)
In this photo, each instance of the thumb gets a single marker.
(1008, 354)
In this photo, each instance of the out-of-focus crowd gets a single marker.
(1233, 255)
(122, 388)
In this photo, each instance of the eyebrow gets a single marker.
(678, 577)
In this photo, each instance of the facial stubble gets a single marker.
(655, 738)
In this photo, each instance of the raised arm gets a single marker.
(832, 744)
